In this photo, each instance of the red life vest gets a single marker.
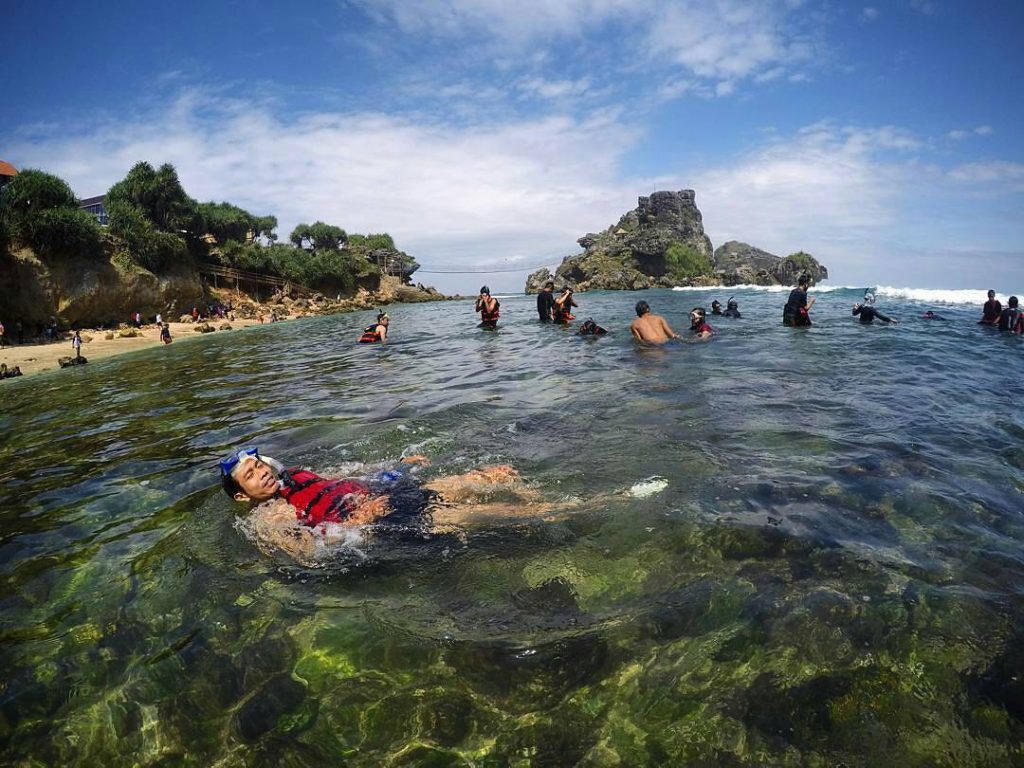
(492, 316)
(370, 334)
(318, 500)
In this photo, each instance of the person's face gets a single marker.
(256, 480)
(991, 294)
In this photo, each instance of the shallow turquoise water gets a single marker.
(833, 574)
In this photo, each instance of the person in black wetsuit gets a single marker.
(716, 307)
(796, 311)
(868, 313)
(992, 310)
(732, 309)
(930, 315)
(546, 302)
(1011, 319)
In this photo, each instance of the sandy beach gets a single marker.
(37, 358)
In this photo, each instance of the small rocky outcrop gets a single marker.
(661, 243)
(643, 250)
(68, 362)
(738, 263)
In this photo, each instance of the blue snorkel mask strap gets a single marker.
(229, 463)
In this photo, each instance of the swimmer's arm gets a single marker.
(278, 529)
(665, 327)
(811, 302)
(383, 333)
(635, 332)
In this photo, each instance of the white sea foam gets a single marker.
(762, 288)
(976, 296)
(648, 487)
(973, 296)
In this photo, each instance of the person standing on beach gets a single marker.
(797, 309)
(165, 334)
(488, 307)
(992, 310)
(159, 319)
(546, 302)
(3, 340)
(76, 344)
(650, 328)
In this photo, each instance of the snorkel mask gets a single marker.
(697, 316)
(229, 464)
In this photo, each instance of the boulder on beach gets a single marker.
(224, 327)
(68, 362)
(204, 328)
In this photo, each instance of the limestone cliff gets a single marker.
(661, 243)
(737, 263)
(84, 290)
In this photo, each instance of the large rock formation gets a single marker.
(661, 243)
(737, 263)
(638, 251)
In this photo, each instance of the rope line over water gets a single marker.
(476, 271)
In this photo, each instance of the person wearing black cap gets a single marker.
(992, 310)
(732, 309)
(716, 307)
(796, 312)
(488, 307)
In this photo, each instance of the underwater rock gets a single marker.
(261, 713)
(693, 610)
(780, 715)
(260, 660)
(1002, 683)
(533, 677)
(560, 740)
(447, 719)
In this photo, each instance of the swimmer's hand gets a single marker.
(369, 510)
(419, 459)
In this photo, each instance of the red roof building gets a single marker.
(7, 172)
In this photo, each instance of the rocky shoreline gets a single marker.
(662, 243)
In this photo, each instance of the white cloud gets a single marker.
(960, 134)
(725, 41)
(475, 194)
(869, 13)
(520, 193)
(991, 173)
(927, 7)
(554, 89)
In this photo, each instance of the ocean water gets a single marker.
(791, 546)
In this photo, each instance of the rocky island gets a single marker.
(662, 243)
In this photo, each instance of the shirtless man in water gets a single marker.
(650, 328)
(295, 507)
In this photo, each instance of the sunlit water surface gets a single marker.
(833, 574)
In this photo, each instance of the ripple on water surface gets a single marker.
(819, 561)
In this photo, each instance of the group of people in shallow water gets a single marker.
(1009, 319)
(302, 514)
(653, 329)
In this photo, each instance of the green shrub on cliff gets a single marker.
(319, 236)
(39, 210)
(229, 222)
(682, 263)
(154, 217)
(804, 261)
(372, 242)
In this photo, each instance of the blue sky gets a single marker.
(885, 138)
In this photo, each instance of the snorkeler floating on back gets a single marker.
(295, 509)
